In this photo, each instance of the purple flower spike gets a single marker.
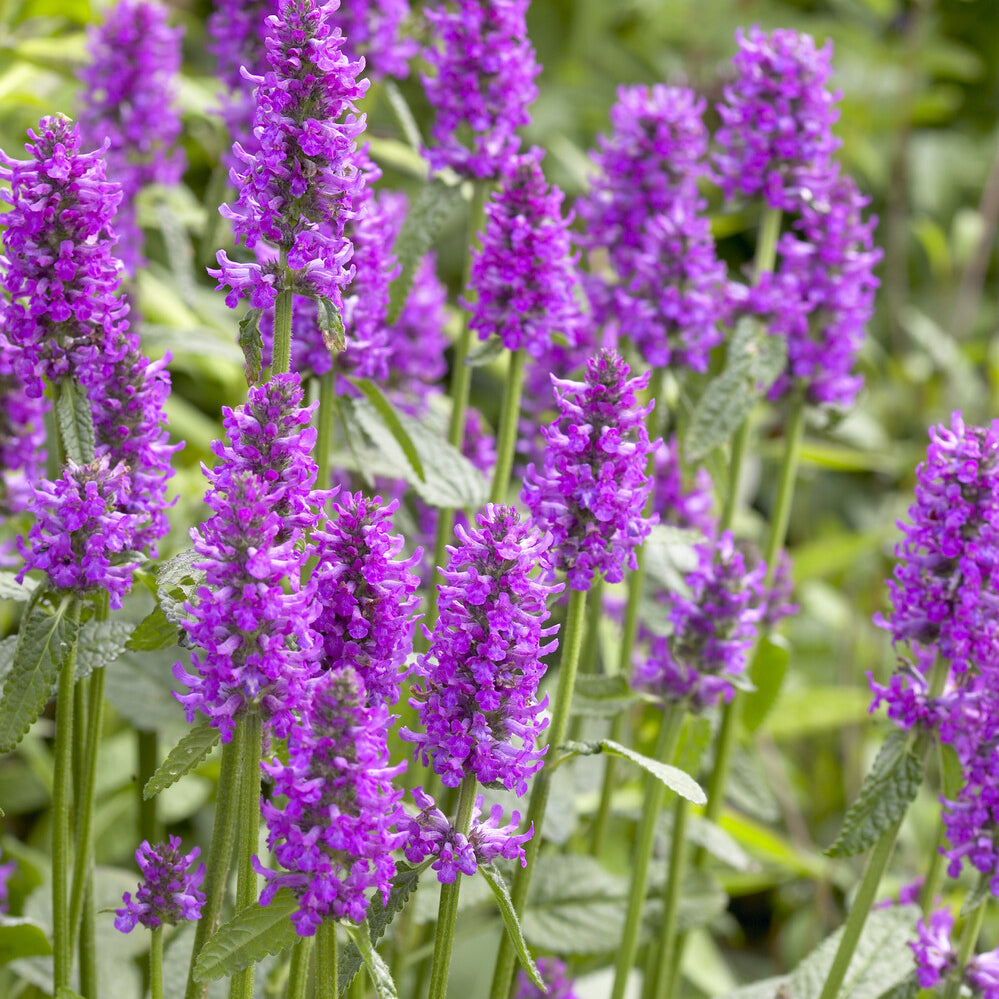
(374, 29)
(664, 289)
(253, 617)
(556, 977)
(304, 182)
(366, 595)
(129, 88)
(335, 833)
(482, 85)
(677, 504)
(6, 872)
(713, 628)
(776, 137)
(933, 950)
(80, 530)
(169, 891)
(476, 686)
(22, 434)
(59, 272)
(592, 490)
(523, 278)
(982, 974)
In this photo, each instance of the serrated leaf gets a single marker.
(378, 970)
(7, 647)
(76, 422)
(11, 589)
(976, 897)
(390, 416)
(176, 581)
(423, 224)
(21, 937)
(155, 631)
(250, 935)
(43, 642)
(514, 931)
(183, 758)
(908, 988)
(330, 325)
(100, 643)
(884, 797)
(485, 353)
(252, 344)
(673, 777)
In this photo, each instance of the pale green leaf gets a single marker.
(183, 758)
(378, 970)
(674, 778)
(500, 891)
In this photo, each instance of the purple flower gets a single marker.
(981, 973)
(430, 834)
(673, 501)
(776, 137)
(22, 434)
(335, 832)
(713, 628)
(6, 872)
(169, 891)
(933, 950)
(556, 977)
(253, 617)
(483, 82)
(303, 184)
(592, 490)
(523, 279)
(80, 530)
(477, 684)
(58, 269)
(367, 596)
(663, 291)
(374, 29)
(129, 88)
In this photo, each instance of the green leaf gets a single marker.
(11, 589)
(100, 643)
(767, 673)
(331, 325)
(602, 696)
(720, 844)
(694, 742)
(887, 792)
(183, 758)
(674, 778)
(952, 772)
(76, 422)
(155, 631)
(176, 582)
(65, 992)
(403, 115)
(497, 883)
(485, 353)
(669, 556)
(21, 937)
(390, 416)
(976, 897)
(908, 988)
(7, 648)
(252, 934)
(701, 900)
(45, 639)
(804, 712)
(378, 970)
(252, 344)
(423, 224)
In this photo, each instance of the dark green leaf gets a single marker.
(20, 937)
(155, 631)
(183, 758)
(378, 970)
(101, 642)
(767, 673)
(403, 115)
(252, 344)
(76, 422)
(11, 589)
(176, 581)
(952, 772)
(674, 778)
(7, 647)
(330, 325)
(252, 934)
(497, 883)
(884, 798)
(485, 353)
(390, 416)
(45, 639)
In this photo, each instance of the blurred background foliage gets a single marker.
(918, 122)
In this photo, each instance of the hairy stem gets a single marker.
(324, 427)
(326, 960)
(281, 362)
(669, 953)
(156, 964)
(298, 975)
(147, 744)
(966, 949)
(506, 444)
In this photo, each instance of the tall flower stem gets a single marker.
(324, 426)
(62, 800)
(326, 960)
(298, 974)
(665, 969)
(572, 643)
(281, 362)
(219, 855)
(506, 445)
(147, 744)
(653, 797)
(447, 912)
(934, 876)
(966, 949)
(247, 835)
(461, 383)
(156, 964)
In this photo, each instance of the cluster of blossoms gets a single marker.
(523, 277)
(374, 29)
(713, 628)
(591, 492)
(130, 82)
(252, 555)
(304, 182)
(482, 84)
(336, 831)
(475, 688)
(664, 291)
(169, 891)
(6, 872)
(556, 977)
(430, 834)
(776, 136)
(676, 503)
(937, 959)
(22, 435)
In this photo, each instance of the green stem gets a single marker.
(281, 362)
(324, 427)
(88, 947)
(155, 964)
(219, 855)
(247, 836)
(966, 949)
(326, 960)
(447, 912)
(572, 643)
(147, 744)
(601, 824)
(665, 975)
(735, 461)
(934, 876)
(298, 974)
(653, 798)
(62, 817)
(506, 444)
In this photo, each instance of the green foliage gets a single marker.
(602, 696)
(331, 325)
(11, 589)
(183, 758)
(251, 343)
(391, 419)
(76, 422)
(501, 893)
(100, 643)
(378, 970)
(155, 631)
(21, 937)
(675, 779)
